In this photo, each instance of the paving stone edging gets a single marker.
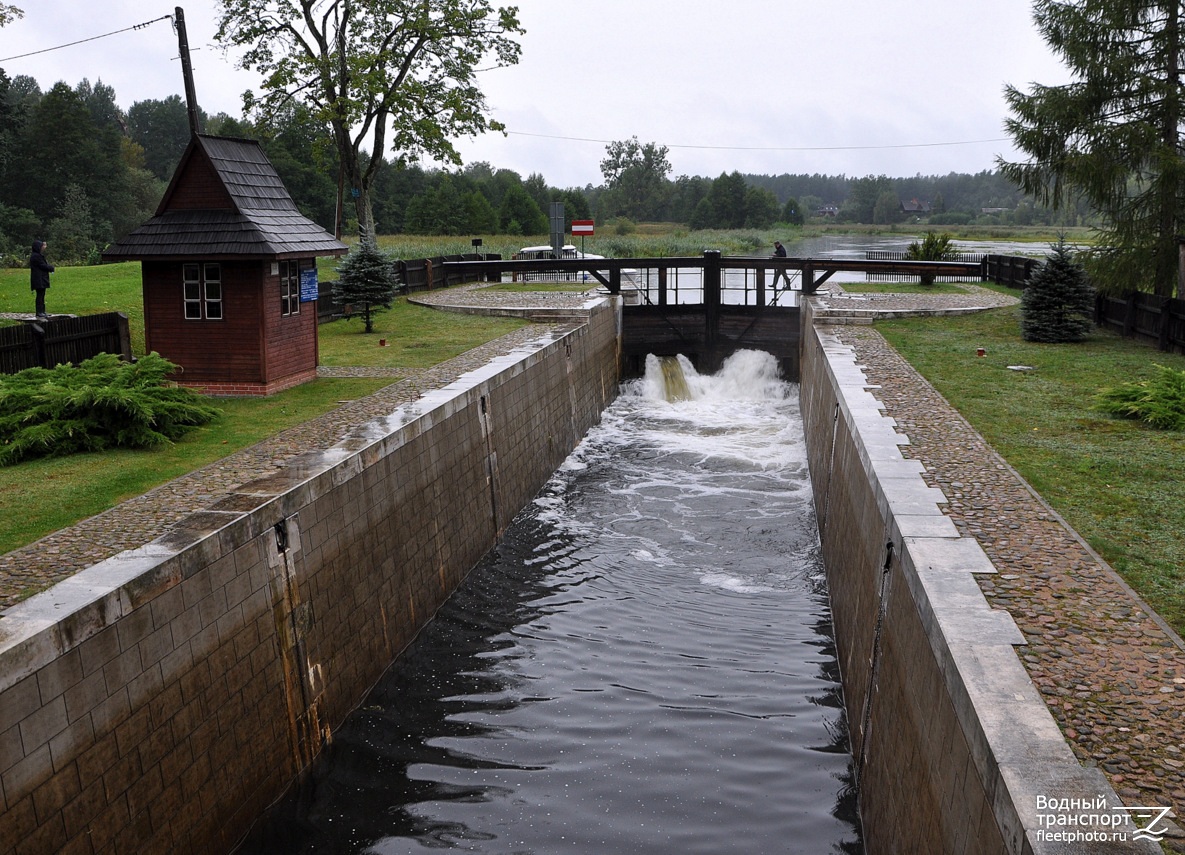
(139, 520)
(1016, 755)
(1110, 670)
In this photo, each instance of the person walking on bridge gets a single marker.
(780, 252)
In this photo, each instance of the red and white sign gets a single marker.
(584, 228)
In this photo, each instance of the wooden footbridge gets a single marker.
(707, 307)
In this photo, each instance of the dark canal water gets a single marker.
(645, 665)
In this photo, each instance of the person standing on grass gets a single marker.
(39, 270)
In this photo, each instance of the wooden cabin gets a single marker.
(229, 273)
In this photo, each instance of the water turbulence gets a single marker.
(644, 665)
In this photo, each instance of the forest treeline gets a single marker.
(79, 171)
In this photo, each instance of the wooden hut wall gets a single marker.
(199, 187)
(229, 350)
(290, 341)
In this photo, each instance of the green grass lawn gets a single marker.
(1117, 482)
(416, 337)
(82, 291)
(41, 496)
(38, 497)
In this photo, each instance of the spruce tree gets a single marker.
(1112, 136)
(366, 283)
(1058, 302)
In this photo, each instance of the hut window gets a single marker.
(202, 291)
(289, 288)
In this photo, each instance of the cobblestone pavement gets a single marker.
(857, 305)
(1111, 672)
(479, 296)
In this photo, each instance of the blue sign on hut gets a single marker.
(229, 272)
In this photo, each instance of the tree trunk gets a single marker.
(1168, 255)
(365, 214)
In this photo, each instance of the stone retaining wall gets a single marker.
(159, 701)
(956, 751)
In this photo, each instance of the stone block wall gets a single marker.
(955, 750)
(159, 701)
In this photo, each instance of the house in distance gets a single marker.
(229, 273)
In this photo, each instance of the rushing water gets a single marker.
(644, 665)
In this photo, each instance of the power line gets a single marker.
(91, 39)
(773, 148)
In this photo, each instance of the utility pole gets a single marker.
(187, 71)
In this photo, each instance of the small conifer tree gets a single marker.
(1057, 304)
(366, 283)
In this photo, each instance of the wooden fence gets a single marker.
(1159, 320)
(45, 344)
(1010, 270)
(420, 274)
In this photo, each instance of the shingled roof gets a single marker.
(225, 202)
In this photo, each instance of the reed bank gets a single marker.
(160, 700)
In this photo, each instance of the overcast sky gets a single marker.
(855, 87)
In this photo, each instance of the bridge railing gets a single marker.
(712, 278)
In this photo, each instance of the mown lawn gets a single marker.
(1117, 482)
(38, 497)
(41, 496)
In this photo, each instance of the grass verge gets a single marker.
(38, 497)
(416, 337)
(1115, 481)
(82, 291)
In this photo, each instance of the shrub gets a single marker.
(1057, 304)
(1159, 401)
(933, 247)
(99, 404)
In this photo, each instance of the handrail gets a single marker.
(809, 267)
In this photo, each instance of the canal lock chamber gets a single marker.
(643, 664)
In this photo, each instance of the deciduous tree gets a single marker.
(519, 215)
(636, 177)
(385, 75)
(162, 128)
(1112, 135)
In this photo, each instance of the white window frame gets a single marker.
(289, 288)
(201, 291)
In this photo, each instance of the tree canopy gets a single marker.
(384, 75)
(635, 177)
(1112, 135)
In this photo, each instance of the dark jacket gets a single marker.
(39, 268)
